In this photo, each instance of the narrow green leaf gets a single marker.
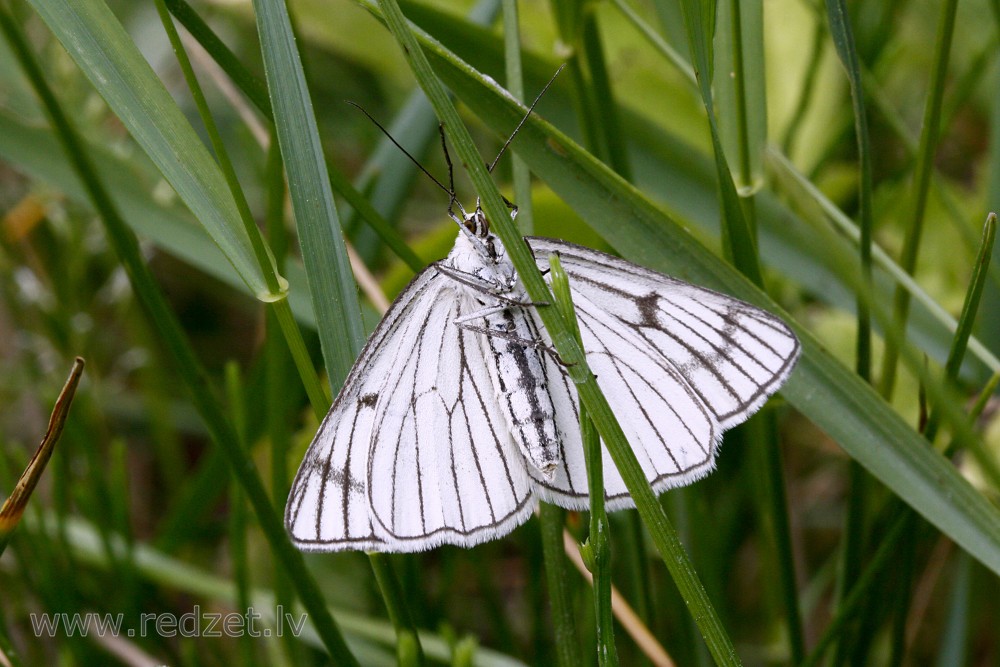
(739, 239)
(921, 184)
(966, 321)
(557, 578)
(328, 270)
(597, 548)
(740, 97)
(108, 57)
(855, 517)
(331, 280)
(520, 176)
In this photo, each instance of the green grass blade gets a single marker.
(605, 107)
(238, 524)
(520, 176)
(921, 183)
(740, 98)
(738, 236)
(108, 57)
(557, 578)
(959, 616)
(596, 550)
(854, 536)
(331, 281)
(843, 39)
(970, 309)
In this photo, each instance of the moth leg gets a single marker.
(496, 333)
(479, 314)
(512, 206)
(504, 304)
(484, 287)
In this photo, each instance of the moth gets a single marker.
(458, 417)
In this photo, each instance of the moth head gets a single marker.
(477, 223)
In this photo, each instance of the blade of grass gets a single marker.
(238, 514)
(13, 506)
(967, 319)
(108, 57)
(328, 271)
(596, 550)
(663, 533)
(520, 176)
(278, 390)
(557, 578)
(569, 18)
(605, 109)
(959, 617)
(741, 95)
(921, 184)
(739, 241)
(854, 527)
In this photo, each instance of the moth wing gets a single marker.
(444, 467)
(327, 508)
(679, 364)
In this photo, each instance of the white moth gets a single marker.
(457, 417)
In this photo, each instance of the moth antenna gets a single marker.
(451, 192)
(517, 129)
(453, 198)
